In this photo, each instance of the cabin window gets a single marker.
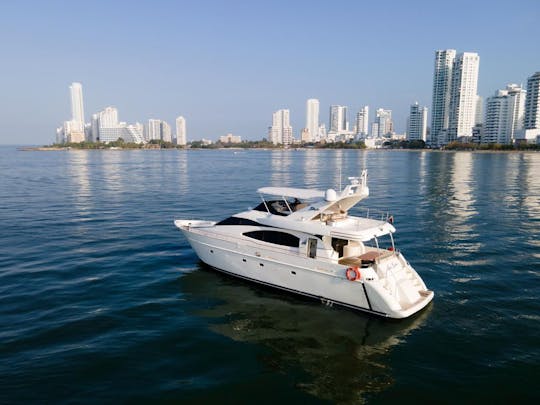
(277, 238)
(312, 248)
(238, 221)
(338, 244)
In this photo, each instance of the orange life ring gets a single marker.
(353, 273)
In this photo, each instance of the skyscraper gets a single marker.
(281, 131)
(463, 95)
(504, 115)
(455, 81)
(532, 109)
(108, 117)
(181, 138)
(166, 133)
(362, 122)
(312, 119)
(385, 125)
(153, 131)
(77, 108)
(417, 123)
(74, 129)
(338, 119)
(442, 81)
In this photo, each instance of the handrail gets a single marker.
(371, 213)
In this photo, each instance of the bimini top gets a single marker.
(300, 193)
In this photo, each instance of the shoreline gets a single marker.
(69, 149)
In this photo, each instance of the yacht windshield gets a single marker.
(281, 207)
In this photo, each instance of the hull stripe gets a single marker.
(367, 298)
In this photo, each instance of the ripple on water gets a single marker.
(102, 298)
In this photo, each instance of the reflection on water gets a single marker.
(531, 201)
(529, 173)
(78, 172)
(280, 165)
(311, 168)
(183, 178)
(461, 203)
(339, 177)
(112, 173)
(341, 353)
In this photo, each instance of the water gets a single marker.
(102, 299)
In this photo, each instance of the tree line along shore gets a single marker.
(264, 144)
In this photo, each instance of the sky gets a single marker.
(227, 65)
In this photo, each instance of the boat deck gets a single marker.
(365, 259)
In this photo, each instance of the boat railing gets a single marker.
(371, 213)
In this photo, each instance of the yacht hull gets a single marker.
(300, 275)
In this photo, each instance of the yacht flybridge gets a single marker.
(304, 241)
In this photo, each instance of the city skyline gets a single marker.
(215, 67)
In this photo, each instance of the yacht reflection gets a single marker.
(342, 353)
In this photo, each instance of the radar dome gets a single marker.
(330, 195)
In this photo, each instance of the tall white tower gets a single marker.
(362, 122)
(417, 123)
(463, 95)
(281, 131)
(153, 131)
(77, 107)
(385, 125)
(532, 105)
(312, 118)
(108, 118)
(504, 115)
(442, 82)
(166, 133)
(338, 118)
(181, 138)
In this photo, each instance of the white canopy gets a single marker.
(300, 193)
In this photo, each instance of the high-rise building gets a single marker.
(532, 110)
(181, 138)
(504, 115)
(153, 131)
(463, 95)
(479, 112)
(108, 117)
(305, 136)
(321, 135)
(312, 119)
(362, 122)
(281, 131)
(455, 82)
(77, 107)
(74, 130)
(94, 128)
(417, 123)
(166, 133)
(338, 119)
(374, 129)
(385, 125)
(442, 81)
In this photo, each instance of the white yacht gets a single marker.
(305, 242)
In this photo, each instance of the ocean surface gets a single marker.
(103, 300)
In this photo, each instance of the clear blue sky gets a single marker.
(227, 65)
